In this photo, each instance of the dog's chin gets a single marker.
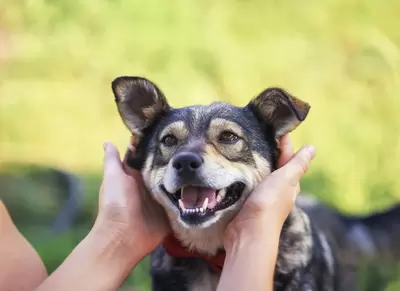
(201, 206)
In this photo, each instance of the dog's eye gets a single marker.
(169, 140)
(228, 137)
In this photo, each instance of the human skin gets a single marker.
(129, 226)
(20, 266)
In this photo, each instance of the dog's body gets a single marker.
(322, 250)
(201, 163)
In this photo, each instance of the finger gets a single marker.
(299, 164)
(287, 150)
(112, 161)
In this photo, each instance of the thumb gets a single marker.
(298, 165)
(112, 160)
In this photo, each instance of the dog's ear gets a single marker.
(276, 107)
(140, 103)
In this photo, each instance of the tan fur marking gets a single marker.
(251, 174)
(218, 125)
(263, 167)
(135, 140)
(149, 112)
(212, 153)
(178, 129)
(146, 173)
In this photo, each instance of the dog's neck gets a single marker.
(294, 248)
(174, 248)
(206, 241)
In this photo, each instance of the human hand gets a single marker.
(271, 201)
(127, 213)
(129, 225)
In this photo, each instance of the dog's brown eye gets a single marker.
(169, 140)
(228, 137)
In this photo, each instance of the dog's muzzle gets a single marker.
(193, 195)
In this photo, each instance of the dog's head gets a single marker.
(201, 162)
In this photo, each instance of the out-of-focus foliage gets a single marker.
(58, 58)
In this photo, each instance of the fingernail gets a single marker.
(131, 147)
(311, 149)
(105, 145)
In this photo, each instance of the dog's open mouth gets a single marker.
(202, 201)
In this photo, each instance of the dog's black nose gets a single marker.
(187, 163)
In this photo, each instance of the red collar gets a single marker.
(174, 248)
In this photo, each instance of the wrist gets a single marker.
(250, 240)
(114, 251)
(101, 261)
(113, 242)
(249, 250)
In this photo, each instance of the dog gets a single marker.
(200, 163)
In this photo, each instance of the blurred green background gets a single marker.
(58, 58)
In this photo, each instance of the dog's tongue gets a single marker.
(193, 197)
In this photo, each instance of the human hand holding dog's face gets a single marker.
(272, 200)
(126, 213)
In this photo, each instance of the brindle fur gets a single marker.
(319, 248)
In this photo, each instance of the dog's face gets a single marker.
(201, 162)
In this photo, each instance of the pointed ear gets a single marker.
(281, 110)
(140, 103)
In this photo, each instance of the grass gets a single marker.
(58, 58)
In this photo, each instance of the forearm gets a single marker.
(20, 266)
(250, 263)
(97, 263)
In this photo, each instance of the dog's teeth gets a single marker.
(221, 195)
(201, 209)
(181, 205)
(182, 192)
(197, 210)
(205, 203)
